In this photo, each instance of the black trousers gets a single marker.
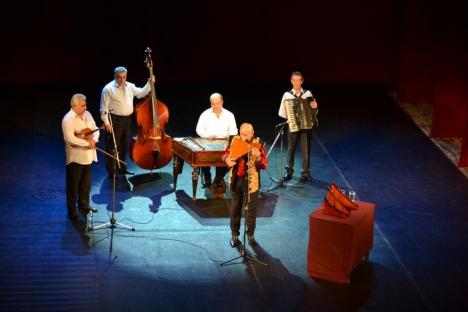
(122, 126)
(303, 136)
(220, 173)
(78, 184)
(239, 190)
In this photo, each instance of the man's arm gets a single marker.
(262, 161)
(282, 108)
(201, 126)
(93, 126)
(229, 162)
(104, 108)
(232, 127)
(142, 92)
(69, 135)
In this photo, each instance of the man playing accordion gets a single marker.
(300, 108)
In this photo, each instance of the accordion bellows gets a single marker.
(337, 204)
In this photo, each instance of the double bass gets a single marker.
(152, 147)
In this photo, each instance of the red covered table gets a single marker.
(336, 245)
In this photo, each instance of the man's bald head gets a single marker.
(246, 131)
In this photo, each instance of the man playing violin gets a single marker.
(80, 153)
(244, 182)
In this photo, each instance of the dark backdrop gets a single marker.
(417, 47)
(201, 41)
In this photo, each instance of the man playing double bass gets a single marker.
(117, 100)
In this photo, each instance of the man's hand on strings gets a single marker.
(255, 152)
(92, 144)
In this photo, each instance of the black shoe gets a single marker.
(252, 241)
(305, 178)
(234, 241)
(288, 175)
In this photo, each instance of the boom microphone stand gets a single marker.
(246, 200)
(280, 182)
(112, 224)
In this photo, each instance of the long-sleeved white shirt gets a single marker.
(119, 100)
(287, 96)
(76, 149)
(220, 127)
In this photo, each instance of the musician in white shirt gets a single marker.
(117, 100)
(304, 135)
(216, 123)
(80, 154)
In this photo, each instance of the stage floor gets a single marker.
(171, 262)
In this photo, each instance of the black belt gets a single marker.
(120, 116)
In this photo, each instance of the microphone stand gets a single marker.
(112, 224)
(280, 182)
(243, 253)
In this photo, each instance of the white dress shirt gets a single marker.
(119, 100)
(287, 96)
(76, 149)
(220, 127)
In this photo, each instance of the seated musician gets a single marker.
(216, 123)
(303, 135)
(244, 180)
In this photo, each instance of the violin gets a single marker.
(86, 134)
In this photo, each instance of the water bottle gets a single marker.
(89, 221)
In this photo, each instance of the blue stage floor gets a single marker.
(171, 262)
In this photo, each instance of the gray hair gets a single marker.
(76, 98)
(120, 69)
(216, 95)
(246, 126)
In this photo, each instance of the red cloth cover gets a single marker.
(337, 245)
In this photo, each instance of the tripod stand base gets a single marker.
(112, 224)
(281, 183)
(245, 257)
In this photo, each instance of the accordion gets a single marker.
(300, 115)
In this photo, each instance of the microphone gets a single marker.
(282, 124)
